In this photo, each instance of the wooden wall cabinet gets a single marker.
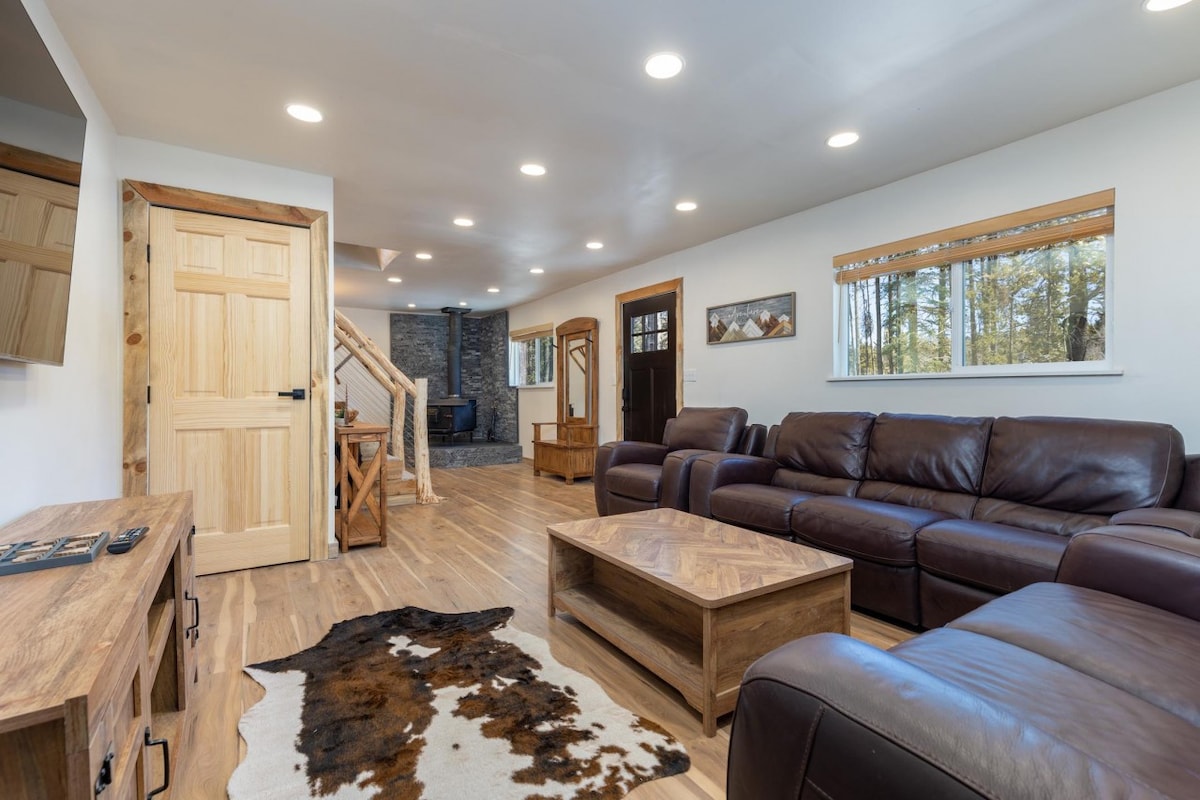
(571, 450)
(98, 660)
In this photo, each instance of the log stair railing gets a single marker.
(401, 387)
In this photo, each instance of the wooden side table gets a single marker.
(355, 482)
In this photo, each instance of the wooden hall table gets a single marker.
(355, 484)
(694, 600)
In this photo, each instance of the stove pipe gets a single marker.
(454, 351)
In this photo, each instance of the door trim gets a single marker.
(136, 199)
(675, 285)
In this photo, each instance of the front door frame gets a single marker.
(137, 197)
(675, 285)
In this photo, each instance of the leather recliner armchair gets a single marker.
(636, 476)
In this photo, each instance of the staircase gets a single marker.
(404, 487)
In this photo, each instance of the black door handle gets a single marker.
(295, 394)
(166, 754)
(193, 631)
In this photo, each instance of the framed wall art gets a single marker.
(749, 320)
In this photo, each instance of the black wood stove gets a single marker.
(453, 414)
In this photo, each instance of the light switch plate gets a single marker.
(689, 376)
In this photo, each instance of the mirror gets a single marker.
(41, 149)
(577, 370)
(577, 378)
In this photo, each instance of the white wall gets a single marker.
(1146, 150)
(60, 427)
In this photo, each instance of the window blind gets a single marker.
(532, 332)
(1077, 218)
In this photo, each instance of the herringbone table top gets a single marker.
(708, 562)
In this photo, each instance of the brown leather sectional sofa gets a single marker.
(942, 514)
(1081, 689)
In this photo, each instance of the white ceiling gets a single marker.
(432, 105)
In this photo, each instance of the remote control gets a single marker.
(125, 542)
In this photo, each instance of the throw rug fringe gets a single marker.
(410, 704)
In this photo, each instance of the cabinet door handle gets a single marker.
(193, 631)
(166, 753)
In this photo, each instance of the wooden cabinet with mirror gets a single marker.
(567, 446)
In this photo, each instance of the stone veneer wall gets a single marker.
(419, 351)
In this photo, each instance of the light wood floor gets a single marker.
(483, 546)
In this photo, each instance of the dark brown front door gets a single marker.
(649, 337)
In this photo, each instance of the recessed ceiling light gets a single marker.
(535, 170)
(1163, 5)
(305, 113)
(412, 305)
(462, 302)
(393, 280)
(464, 222)
(594, 245)
(537, 270)
(494, 289)
(423, 256)
(686, 205)
(843, 139)
(664, 65)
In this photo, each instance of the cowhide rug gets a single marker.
(416, 704)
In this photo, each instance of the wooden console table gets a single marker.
(99, 659)
(356, 482)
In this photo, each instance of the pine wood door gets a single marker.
(37, 235)
(229, 331)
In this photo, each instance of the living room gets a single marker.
(64, 425)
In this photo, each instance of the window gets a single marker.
(1025, 292)
(649, 333)
(531, 356)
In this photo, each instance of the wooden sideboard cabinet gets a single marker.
(98, 661)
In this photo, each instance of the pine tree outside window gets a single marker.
(531, 356)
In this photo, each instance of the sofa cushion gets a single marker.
(831, 443)
(996, 557)
(952, 503)
(935, 452)
(880, 532)
(764, 508)
(1088, 466)
(809, 482)
(718, 429)
(1046, 520)
(1140, 649)
(639, 481)
(1089, 714)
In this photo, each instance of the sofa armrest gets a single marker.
(829, 716)
(1148, 565)
(720, 469)
(1176, 519)
(611, 454)
(676, 478)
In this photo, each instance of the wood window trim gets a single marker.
(1079, 229)
(137, 197)
(675, 285)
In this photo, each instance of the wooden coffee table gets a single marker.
(693, 600)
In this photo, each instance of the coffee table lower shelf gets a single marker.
(702, 651)
(667, 653)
